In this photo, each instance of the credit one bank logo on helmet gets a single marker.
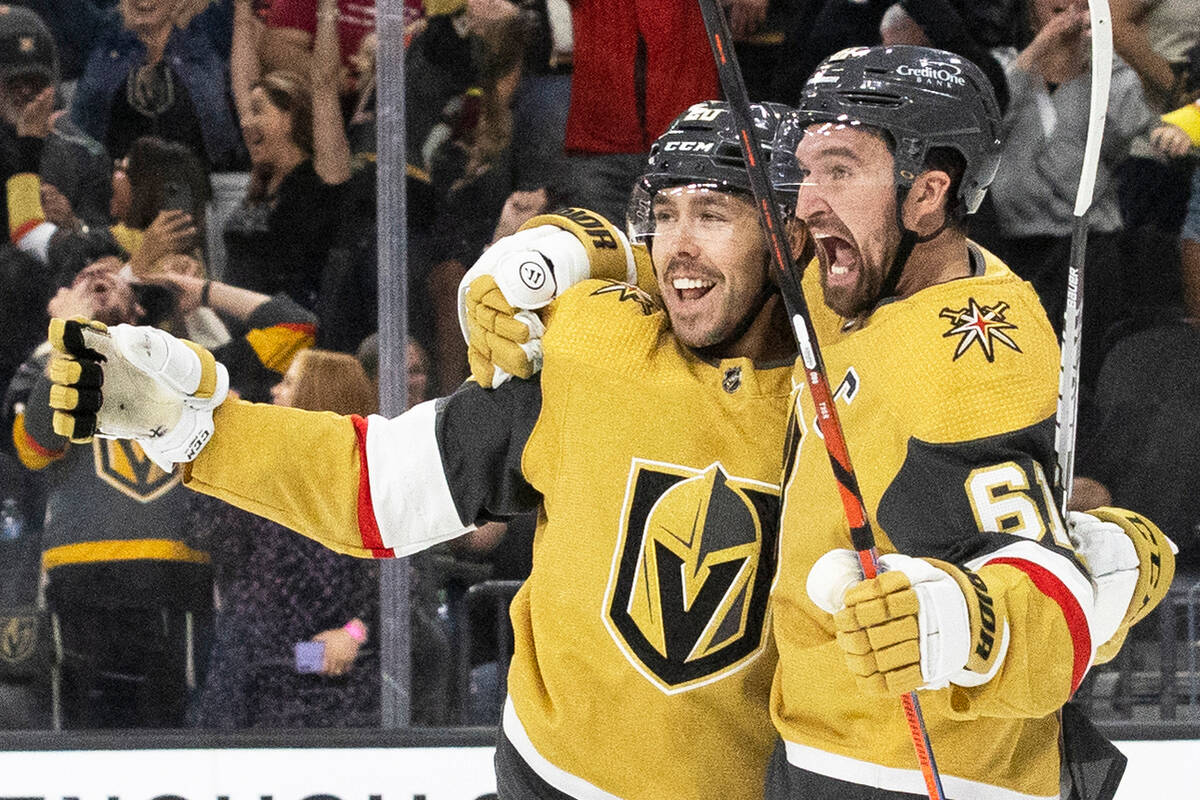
(940, 71)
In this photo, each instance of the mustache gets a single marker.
(690, 268)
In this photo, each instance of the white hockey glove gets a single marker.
(1131, 563)
(522, 273)
(920, 624)
(134, 382)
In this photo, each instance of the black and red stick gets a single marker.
(861, 535)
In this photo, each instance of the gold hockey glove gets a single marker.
(134, 382)
(528, 269)
(1131, 563)
(920, 624)
(502, 340)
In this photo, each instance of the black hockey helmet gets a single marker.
(701, 148)
(26, 45)
(922, 97)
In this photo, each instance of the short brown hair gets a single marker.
(330, 381)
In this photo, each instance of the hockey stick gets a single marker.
(1066, 420)
(861, 535)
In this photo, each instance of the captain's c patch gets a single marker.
(687, 594)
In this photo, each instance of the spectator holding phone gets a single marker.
(159, 193)
(295, 621)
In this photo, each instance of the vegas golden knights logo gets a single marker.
(123, 465)
(18, 637)
(687, 596)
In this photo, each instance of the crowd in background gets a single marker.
(210, 167)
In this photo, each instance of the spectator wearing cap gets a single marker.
(74, 165)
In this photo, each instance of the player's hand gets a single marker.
(920, 624)
(1131, 563)
(502, 340)
(134, 382)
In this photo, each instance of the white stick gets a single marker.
(1067, 419)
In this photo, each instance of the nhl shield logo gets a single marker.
(687, 595)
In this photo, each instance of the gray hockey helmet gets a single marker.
(923, 98)
(701, 148)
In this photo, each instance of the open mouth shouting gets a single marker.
(838, 258)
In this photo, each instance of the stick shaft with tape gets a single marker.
(861, 535)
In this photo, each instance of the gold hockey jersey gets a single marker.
(643, 658)
(947, 400)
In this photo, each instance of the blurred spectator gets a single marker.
(291, 25)
(637, 65)
(819, 28)
(126, 591)
(418, 371)
(1147, 429)
(1153, 37)
(72, 164)
(159, 192)
(301, 159)
(1044, 132)
(440, 314)
(468, 152)
(953, 26)
(153, 69)
(277, 594)
(1188, 120)
(543, 97)
(1160, 39)
(460, 74)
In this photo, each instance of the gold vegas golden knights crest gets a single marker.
(123, 465)
(18, 639)
(687, 594)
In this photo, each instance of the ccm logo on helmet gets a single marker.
(935, 70)
(689, 147)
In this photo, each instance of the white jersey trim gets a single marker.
(409, 493)
(894, 779)
(1060, 566)
(558, 778)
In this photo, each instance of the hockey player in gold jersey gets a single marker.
(947, 369)
(652, 457)
(642, 660)
(948, 375)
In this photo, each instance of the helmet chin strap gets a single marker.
(908, 240)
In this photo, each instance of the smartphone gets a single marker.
(177, 196)
(309, 657)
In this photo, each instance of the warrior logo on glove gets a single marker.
(687, 598)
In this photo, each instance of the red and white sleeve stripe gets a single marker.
(404, 500)
(1061, 580)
